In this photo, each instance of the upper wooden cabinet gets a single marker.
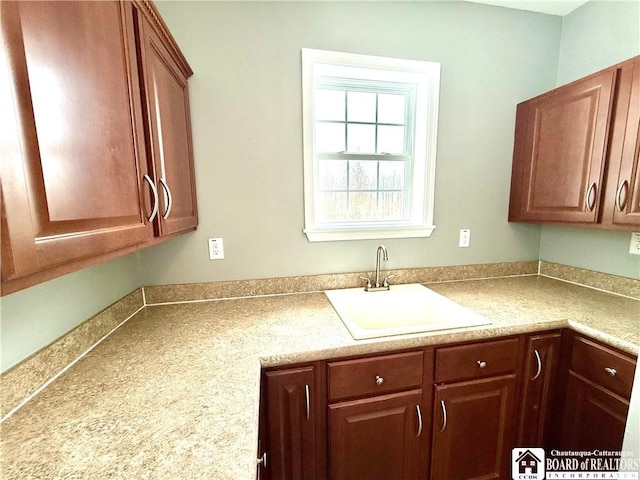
(166, 104)
(576, 153)
(93, 160)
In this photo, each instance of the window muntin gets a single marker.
(369, 145)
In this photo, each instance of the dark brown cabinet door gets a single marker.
(166, 95)
(473, 431)
(622, 205)
(561, 141)
(593, 418)
(541, 360)
(73, 159)
(291, 424)
(377, 438)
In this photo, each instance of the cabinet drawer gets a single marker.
(603, 366)
(477, 360)
(374, 375)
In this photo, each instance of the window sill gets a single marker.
(338, 234)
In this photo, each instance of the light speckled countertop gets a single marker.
(173, 394)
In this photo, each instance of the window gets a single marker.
(369, 145)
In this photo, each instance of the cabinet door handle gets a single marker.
(539, 365)
(611, 371)
(262, 460)
(419, 413)
(443, 407)
(154, 210)
(481, 364)
(168, 199)
(590, 197)
(379, 380)
(307, 399)
(620, 205)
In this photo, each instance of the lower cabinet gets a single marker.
(449, 412)
(291, 445)
(473, 437)
(378, 437)
(538, 386)
(596, 402)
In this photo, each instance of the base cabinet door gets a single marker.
(594, 418)
(377, 438)
(473, 430)
(541, 361)
(291, 425)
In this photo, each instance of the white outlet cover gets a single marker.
(216, 249)
(634, 245)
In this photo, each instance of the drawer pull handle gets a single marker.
(610, 371)
(481, 364)
(379, 380)
(307, 399)
(443, 407)
(419, 413)
(539, 365)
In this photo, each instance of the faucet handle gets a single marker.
(366, 279)
(385, 282)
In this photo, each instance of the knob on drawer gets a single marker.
(610, 371)
(379, 380)
(481, 364)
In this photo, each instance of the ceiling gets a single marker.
(551, 7)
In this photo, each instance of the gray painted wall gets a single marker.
(246, 114)
(595, 36)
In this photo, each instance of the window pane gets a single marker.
(332, 175)
(391, 108)
(363, 175)
(361, 138)
(329, 137)
(362, 205)
(329, 104)
(391, 206)
(361, 107)
(390, 139)
(332, 206)
(392, 175)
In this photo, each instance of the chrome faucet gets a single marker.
(381, 254)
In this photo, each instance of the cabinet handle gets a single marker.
(443, 407)
(539, 365)
(419, 413)
(481, 364)
(589, 199)
(262, 460)
(611, 371)
(154, 210)
(307, 399)
(168, 199)
(379, 380)
(620, 205)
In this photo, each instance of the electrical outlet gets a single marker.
(634, 246)
(216, 249)
(465, 235)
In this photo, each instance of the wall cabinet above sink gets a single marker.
(96, 141)
(575, 158)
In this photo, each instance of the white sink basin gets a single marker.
(403, 309)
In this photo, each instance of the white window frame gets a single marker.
(426, 78)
